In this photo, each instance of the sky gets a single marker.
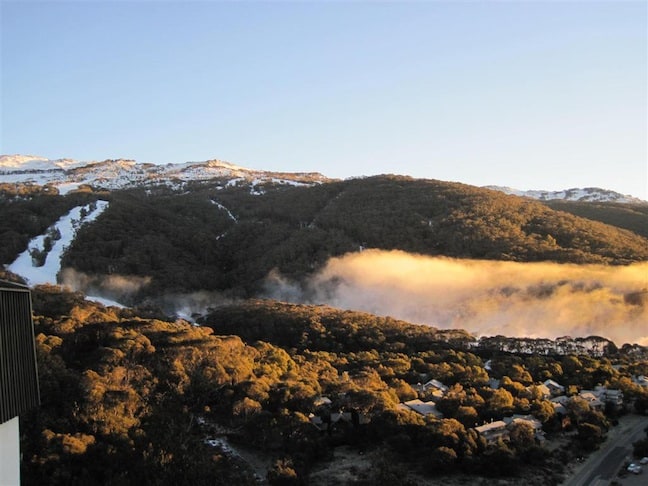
(531, 95)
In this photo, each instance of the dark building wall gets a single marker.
(18, 372)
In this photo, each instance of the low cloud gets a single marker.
(120, 288)
(190, 306)
(485, 297)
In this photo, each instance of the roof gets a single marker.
(527, 419)
(18, 373)
(424, 408)
(491, 427)
(436, 384)
(7, 285)
(554, 384)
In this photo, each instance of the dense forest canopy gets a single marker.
(211, 236)
(127, 387)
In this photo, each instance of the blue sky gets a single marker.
(534, 95)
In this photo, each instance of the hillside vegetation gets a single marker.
(132, 398)
(214, 236)
(633, 217)
(27, 211)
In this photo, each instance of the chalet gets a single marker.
(433, 387)
(531, 421)
(559, 404)
(493, 431)
(555, 388)
(592, 400)
(328, 422)
(18, 374)
(641, 380)
(500, 429)
(423, 408)
(612, 396)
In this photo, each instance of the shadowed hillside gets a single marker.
(226, 238)
(633, 217)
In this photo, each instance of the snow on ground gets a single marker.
(587, 194)
(229, 213)
(67, 226)
(104, 301)
(33, 162)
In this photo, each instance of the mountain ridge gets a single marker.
(113, 174)
(585, 194)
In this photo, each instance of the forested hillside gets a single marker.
(27, 211)
(633, 217)
(133, 398)
(218, 237)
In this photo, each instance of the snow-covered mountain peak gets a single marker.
(587, 194)
(32, 163)
(67, 175)
(15, 163)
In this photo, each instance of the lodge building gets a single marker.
(18, 374)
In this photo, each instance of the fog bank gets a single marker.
(485, 297)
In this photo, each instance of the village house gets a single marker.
(555, 388)
(601, 396)
(530, 420)
(420, 407)
(327, 422)
(640, 380)
(500, 429)
(612, 396)
(559, 403)
(432, 387)
(493, 431)
(590, 397)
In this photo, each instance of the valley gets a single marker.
(306, 318)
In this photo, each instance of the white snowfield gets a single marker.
(68, 175)
(26, 266)
(588, 194)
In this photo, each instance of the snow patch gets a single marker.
(229, 213)
(587, 194)
(67, 175)
(30, 269)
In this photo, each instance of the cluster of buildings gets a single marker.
(433, 390)
(597, 399)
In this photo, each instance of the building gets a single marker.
(18, 374)
(432, 387)
(493, 431)
(592, 399)
(529, 420)
(612, 396)
(423, 408)
(555, 388)
(641, 380)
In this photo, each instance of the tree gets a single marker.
(283, 474)
(589, 435)
(522, 435)
(500, 403)
(441, 459)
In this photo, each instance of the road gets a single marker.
(602, 465)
